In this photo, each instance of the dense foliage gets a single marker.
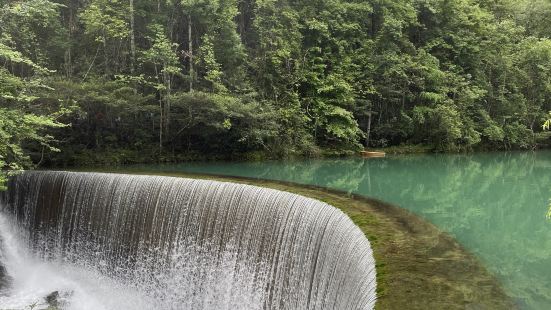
(143, 80)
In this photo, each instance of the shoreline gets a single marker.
(127, 157)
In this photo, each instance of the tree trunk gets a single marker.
(68, 52)
(161, 124)
(190, 51)
(168, 85)
(132, 38)
(68, 70)
(368, 131)
(106, 58)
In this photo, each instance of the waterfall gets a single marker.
(114, 241)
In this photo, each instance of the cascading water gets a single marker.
(111, 241)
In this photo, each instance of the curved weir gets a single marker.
(112, 241)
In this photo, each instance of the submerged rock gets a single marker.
(52, 299)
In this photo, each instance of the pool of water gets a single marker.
(494, 204)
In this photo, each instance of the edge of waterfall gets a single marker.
(317, 257)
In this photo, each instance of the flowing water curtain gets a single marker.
(197, 243)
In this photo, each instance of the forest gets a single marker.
(86, 82)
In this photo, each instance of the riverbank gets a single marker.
(150, 155)
(418, 266)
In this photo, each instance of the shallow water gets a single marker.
(492, 203)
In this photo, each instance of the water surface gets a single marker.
(492, 203)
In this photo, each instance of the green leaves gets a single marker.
(443, 126)
(162, 51)
(213, 70)
(106, 19)
(23, 121)
(10, 55)
(547, 123)
(449, 74)
(18, 128)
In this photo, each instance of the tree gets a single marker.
(107, 22)
(450, 75)
(23, 122)
(162, 55)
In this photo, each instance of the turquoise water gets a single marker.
(492, 203)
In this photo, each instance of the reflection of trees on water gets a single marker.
(494, 204)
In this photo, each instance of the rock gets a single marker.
(4, 278)
(53, 299)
